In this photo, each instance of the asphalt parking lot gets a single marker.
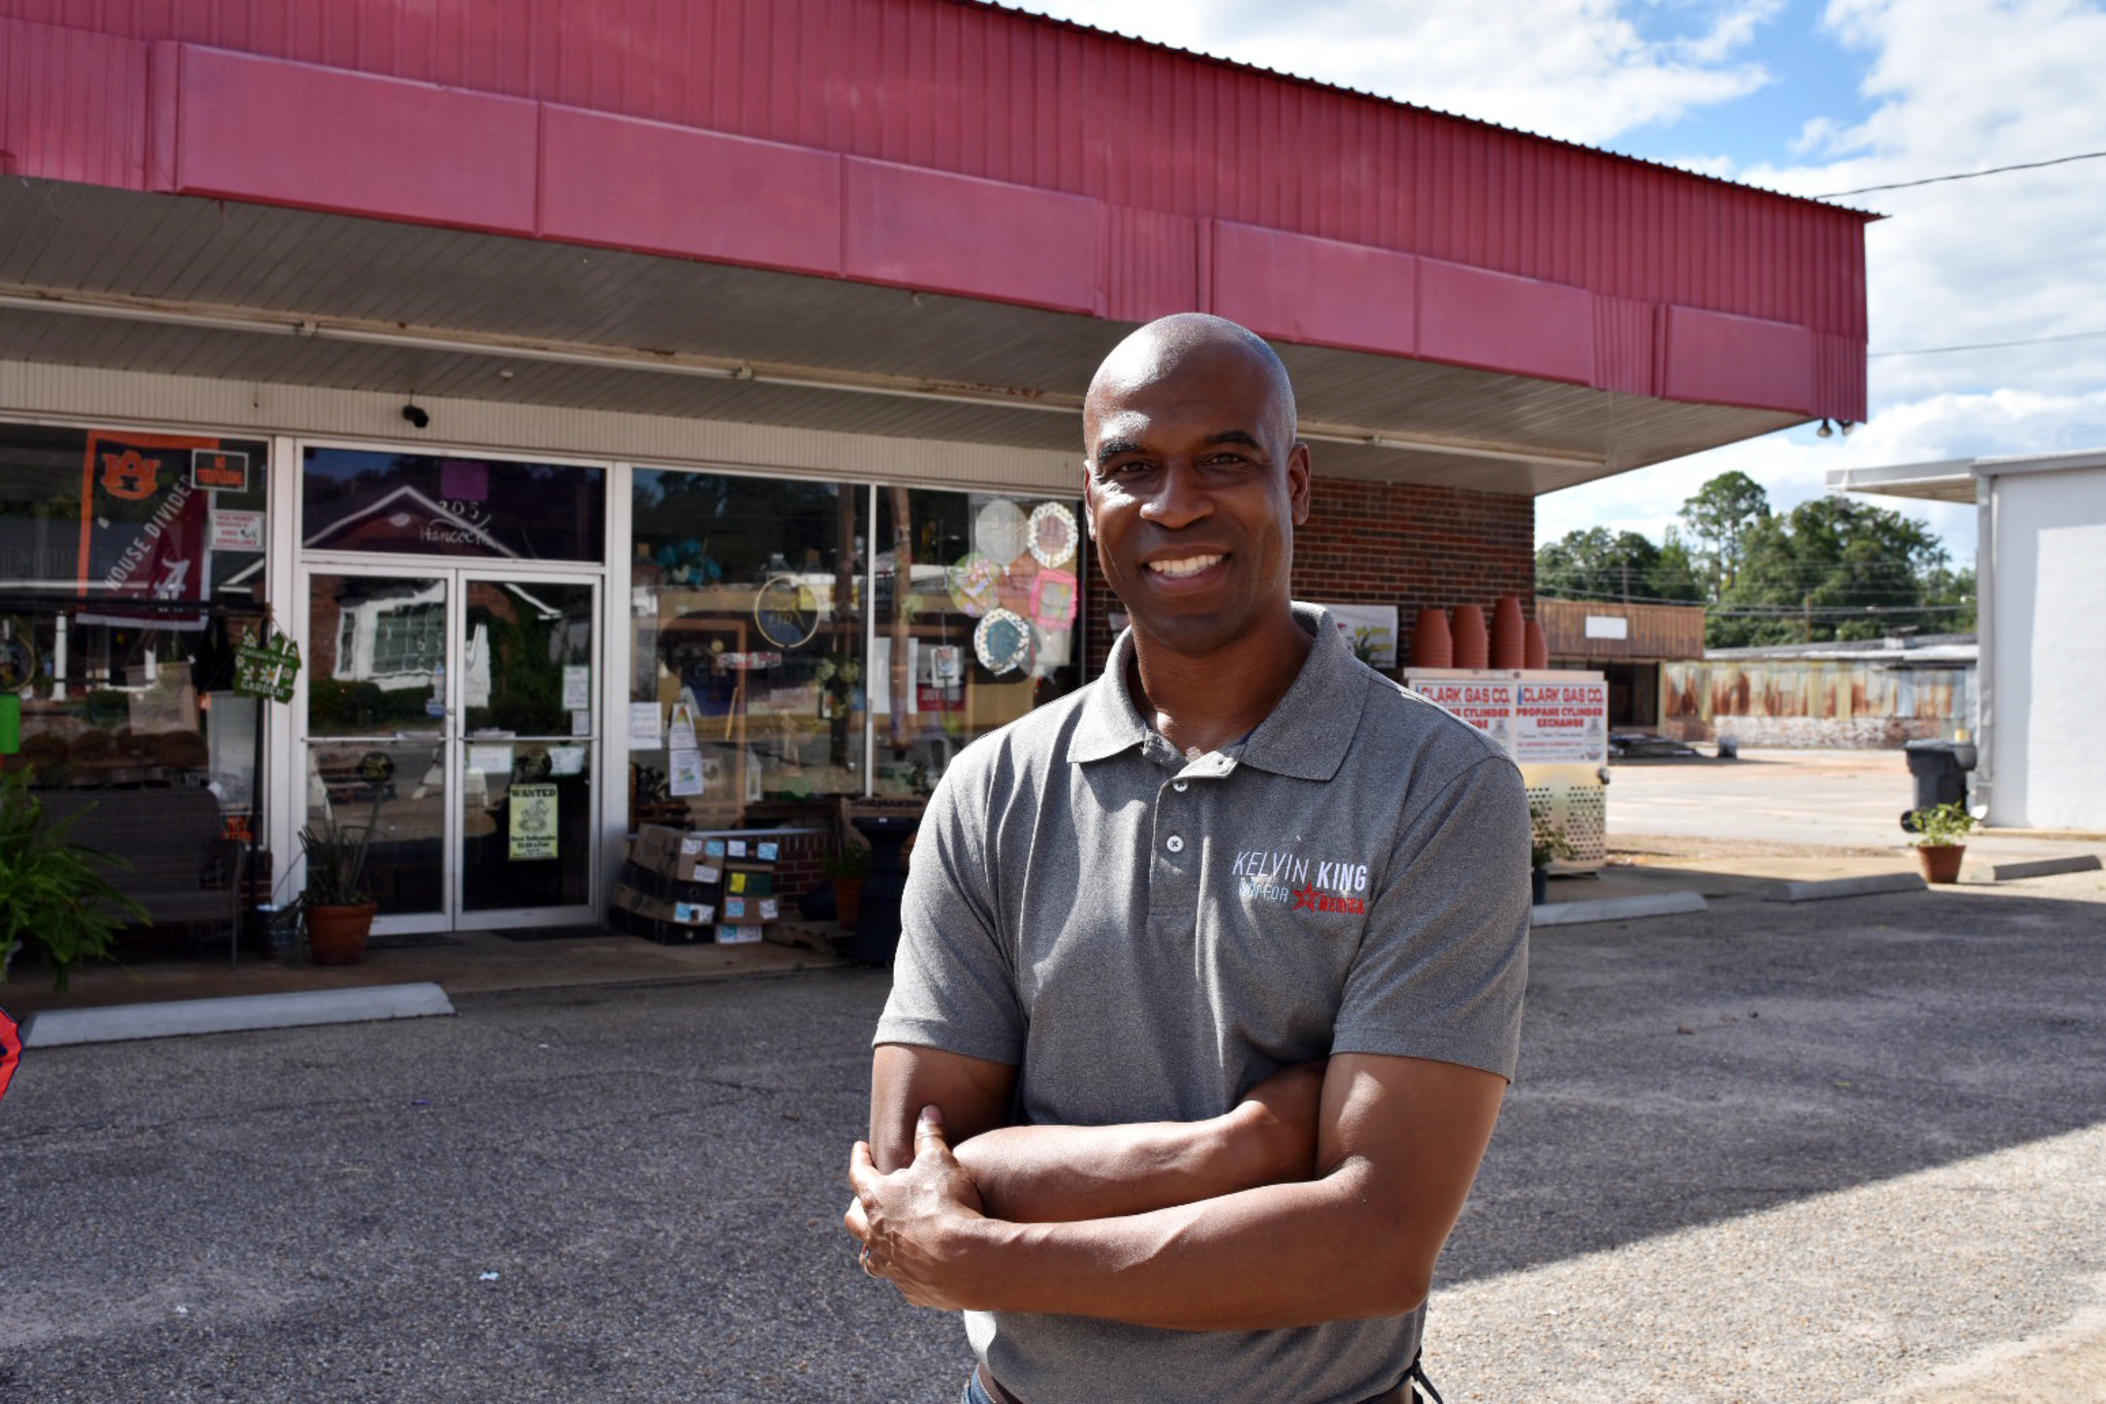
(1768, 1152)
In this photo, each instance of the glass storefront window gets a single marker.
(978, 621)
(430, 505)
(747, 633)
(131, 567)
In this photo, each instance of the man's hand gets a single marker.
(913, 1222)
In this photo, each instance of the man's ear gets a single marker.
(1298, 481)
(1089, 499)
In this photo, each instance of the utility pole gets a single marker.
(1806, 625)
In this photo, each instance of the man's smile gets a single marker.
(1185, 567)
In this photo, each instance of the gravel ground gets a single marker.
(1822, 1152)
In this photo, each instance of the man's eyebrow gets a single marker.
(1112, 448)
(1233, 436)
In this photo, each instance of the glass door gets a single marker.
(454, 712)
(376, 744)
(528, 697)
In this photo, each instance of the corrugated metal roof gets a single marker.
(199, 256)
(1370, 95)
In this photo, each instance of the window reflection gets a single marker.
(425, 504)
(979, 621)
(747, 640)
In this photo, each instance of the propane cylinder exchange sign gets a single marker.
(1560, 721)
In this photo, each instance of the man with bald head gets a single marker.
(1211, 971)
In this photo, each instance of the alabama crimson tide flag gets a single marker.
(143, 524)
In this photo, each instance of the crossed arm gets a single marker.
(1326, 1194)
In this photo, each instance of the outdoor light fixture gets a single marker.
(1824, 431)
(418, 418)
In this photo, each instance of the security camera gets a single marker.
(417, 417)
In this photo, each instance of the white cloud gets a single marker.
(1956, 85)
(1580, 70)
(1946, 86)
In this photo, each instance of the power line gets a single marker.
(1962, 175)
(1990, 345)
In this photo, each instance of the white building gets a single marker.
(2041, 572)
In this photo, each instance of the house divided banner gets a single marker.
(144, 525)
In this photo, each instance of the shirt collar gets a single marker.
(1306, 735)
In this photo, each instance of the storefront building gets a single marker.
(673, 416)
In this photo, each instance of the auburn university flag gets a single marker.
(143, 524)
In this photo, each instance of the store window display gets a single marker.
(750, 685)
(131, 570)
(978, 621)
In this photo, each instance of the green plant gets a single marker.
(336, 864)
(1942, 826)
(52, 893)
(1546, 839)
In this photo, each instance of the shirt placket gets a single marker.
(1178, 840)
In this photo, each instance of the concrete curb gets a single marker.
(1987, 872)
(115, 1022)
(1821, 889)
(1652, 904)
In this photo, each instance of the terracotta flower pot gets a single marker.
(1535, 647)
(1508, 649)
(1432, 646)
(1473, 646)
(1941, 862)
(337, 935)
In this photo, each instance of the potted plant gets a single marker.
(1546, 845)
(1941, 839)
(53, 895)
(337, 903)
(847, 869)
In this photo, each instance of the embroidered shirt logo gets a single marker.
(1278, 875)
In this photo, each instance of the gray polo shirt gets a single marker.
(1146, 937)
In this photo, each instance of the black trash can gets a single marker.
(1940, 771)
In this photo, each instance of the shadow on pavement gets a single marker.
(1685, 1070)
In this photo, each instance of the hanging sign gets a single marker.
(533, 834)
(216, 470)
(268, 669)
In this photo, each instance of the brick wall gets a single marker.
(1392, 544)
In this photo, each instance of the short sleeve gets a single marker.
(953, 980)
(1444, 957)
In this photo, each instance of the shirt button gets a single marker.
(1174, 844)
(1180, 785)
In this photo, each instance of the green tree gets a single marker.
(1720, 518)
(1599, 564)
(1850, 570)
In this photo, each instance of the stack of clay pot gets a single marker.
(1473, 645)
(1511, 641)
(1432, 646)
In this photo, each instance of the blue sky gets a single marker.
(1803, 97)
